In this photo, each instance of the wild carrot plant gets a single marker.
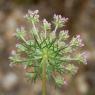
(47, 53)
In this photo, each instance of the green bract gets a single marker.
(45, 52)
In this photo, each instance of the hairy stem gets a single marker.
(44, 63)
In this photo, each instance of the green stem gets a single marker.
(35, 30)
(23, 39)
(44, 62)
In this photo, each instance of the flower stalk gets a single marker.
(44, 63)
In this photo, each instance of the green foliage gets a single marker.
(59, 81)
(57, 53)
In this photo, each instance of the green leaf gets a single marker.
(21, 47)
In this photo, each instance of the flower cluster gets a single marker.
(46, 25)
(59, 21)
(44, 51)
(79, 41)
(63, 35)
(85, 56)
(32, 16)
(76, 42)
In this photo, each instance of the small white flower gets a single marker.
(79, 41)
(85, 55)
(33, 12)
(59, 20)
(32, 15)
(63, 35)
(36, 11)
(46, 24)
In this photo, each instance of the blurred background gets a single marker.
(81, 21)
